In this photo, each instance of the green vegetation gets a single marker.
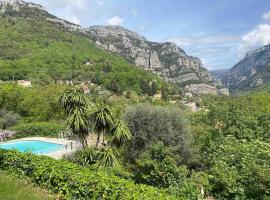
(13, 189)
(75, 104)
(146, 148)
(42, 52)
(221, 152)
(46, 129)
(151, 124)
(32, 104)
(7, 118)
(233, 145)
(73, 182)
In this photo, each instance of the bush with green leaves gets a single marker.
(151, 124)
(32, 104)
(46, 129)
(241, 170)
(95, 157)
(8, 118)
(232, 145)
(157, 166)
(71, 181)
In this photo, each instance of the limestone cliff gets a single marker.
(164, 59)
(252, 71)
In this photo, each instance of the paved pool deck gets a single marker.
(70, 146)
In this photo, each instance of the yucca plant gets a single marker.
(106, 157)
(102, 119)
(120, 133)
(75, 104)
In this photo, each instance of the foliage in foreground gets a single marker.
(158, 167)
(13, 189)
(233, 143)
(71, 181)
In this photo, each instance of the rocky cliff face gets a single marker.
(17, 4)
(252, 71)
(164, 59)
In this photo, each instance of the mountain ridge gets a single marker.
(252, 71)
(166, 60)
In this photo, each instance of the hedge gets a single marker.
(46, 129)
(71, 181)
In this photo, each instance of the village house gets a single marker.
(24, 83)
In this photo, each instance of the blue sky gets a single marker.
(219, 32)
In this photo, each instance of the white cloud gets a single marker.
(207, 40)
(266, 16)
(115, 21)
(71, 18)
(256, 38)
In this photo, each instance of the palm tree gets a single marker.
(75, 104)
(120, 133)
(102, 118)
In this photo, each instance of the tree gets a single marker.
(164, 93)
(102, 119)
(145, 88)
(7, 118)
(75, 104)
(121, 133)
(240, 169)
(151, 124)
(154, 88)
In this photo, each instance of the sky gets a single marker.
(219, 32)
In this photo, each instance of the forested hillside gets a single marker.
(43, 52)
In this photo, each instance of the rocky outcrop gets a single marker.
(224, 91)
(252, 71)
(166, 60)
(16, 4)
(202, 89)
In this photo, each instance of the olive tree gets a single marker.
(151, 124)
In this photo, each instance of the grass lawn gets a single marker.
(13, 189)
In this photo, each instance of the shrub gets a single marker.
(150, 124)
(7, 118)
(157, 166)
(71, 181)
(241, 170)
(46, 129)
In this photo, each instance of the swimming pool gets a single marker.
(33, 146)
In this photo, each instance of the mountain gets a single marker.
(219, 74)
(167, 60)
(38, 45)
(250, 72)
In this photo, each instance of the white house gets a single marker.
(24, 83)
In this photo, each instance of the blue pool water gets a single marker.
(36, 147)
